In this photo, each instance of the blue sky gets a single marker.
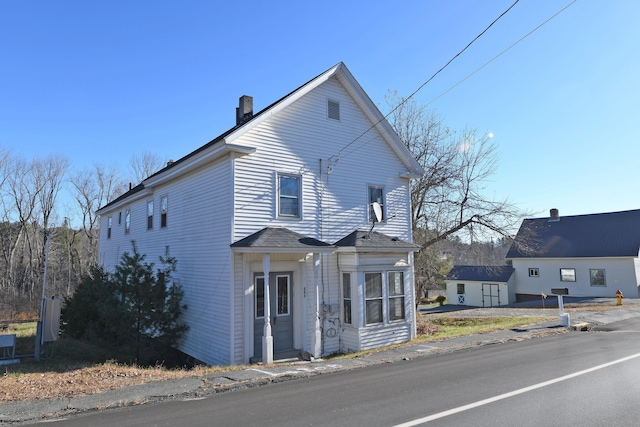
(101, 81)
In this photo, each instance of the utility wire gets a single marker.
(336, 157)
(452, 87)
(498, 55)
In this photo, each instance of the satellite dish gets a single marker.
(377, 210)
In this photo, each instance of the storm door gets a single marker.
(490, 295)
(281, 311)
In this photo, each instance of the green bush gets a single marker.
(135, 311)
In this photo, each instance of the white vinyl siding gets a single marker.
(622, 271)
(206, 283)
(293, 141)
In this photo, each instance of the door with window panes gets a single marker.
(280, 307)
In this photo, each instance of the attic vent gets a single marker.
(333, 108)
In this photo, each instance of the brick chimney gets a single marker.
(245, 111)
(554, 215)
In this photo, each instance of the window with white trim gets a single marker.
(567, 274)
(376, 194)
(289, 192)
(395, 285)
(534, 272)
(460, 288)
(384, 297)
(346, 298)
(373, 298)
(597, 277)
(127, 221)
(109, 221)
(150, 215)
(164, 206)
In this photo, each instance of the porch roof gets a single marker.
(372, 241)
(281, 240)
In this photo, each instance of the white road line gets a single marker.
(511, 394)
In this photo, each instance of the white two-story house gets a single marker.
(274, 225)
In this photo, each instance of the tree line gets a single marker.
(48, 214)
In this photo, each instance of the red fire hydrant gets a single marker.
(619, 297)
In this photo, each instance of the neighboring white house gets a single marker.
(590, 255)
(271, 226)
(480, 285)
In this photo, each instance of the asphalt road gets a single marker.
(576, 378)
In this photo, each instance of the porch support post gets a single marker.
(316, 337)
(267, 339)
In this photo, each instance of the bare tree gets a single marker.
(452, 197)
(24, 188)
(145, 165)
(93, 188)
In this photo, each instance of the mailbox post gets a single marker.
(560, 292)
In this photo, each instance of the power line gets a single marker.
(336, 157)
(498, 55)
(450, 88)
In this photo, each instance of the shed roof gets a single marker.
(481, 273)
(613, 234)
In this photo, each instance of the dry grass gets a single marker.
(78, 382)
(448, 327)
(76, 369)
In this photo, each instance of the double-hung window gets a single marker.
(376, 195)
(127, 221)
(346, 298)
(384, 301)
(373, 298)
(150, 215)
(289, 190)
(395, 284)
(164, 205)
(109, 221)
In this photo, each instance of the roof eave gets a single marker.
(145, 192)
(217, 151)
(360, 249)
(282, 250)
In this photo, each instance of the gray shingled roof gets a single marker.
(361, 239)
(614, 234)
(281, 239)
(481, 273)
